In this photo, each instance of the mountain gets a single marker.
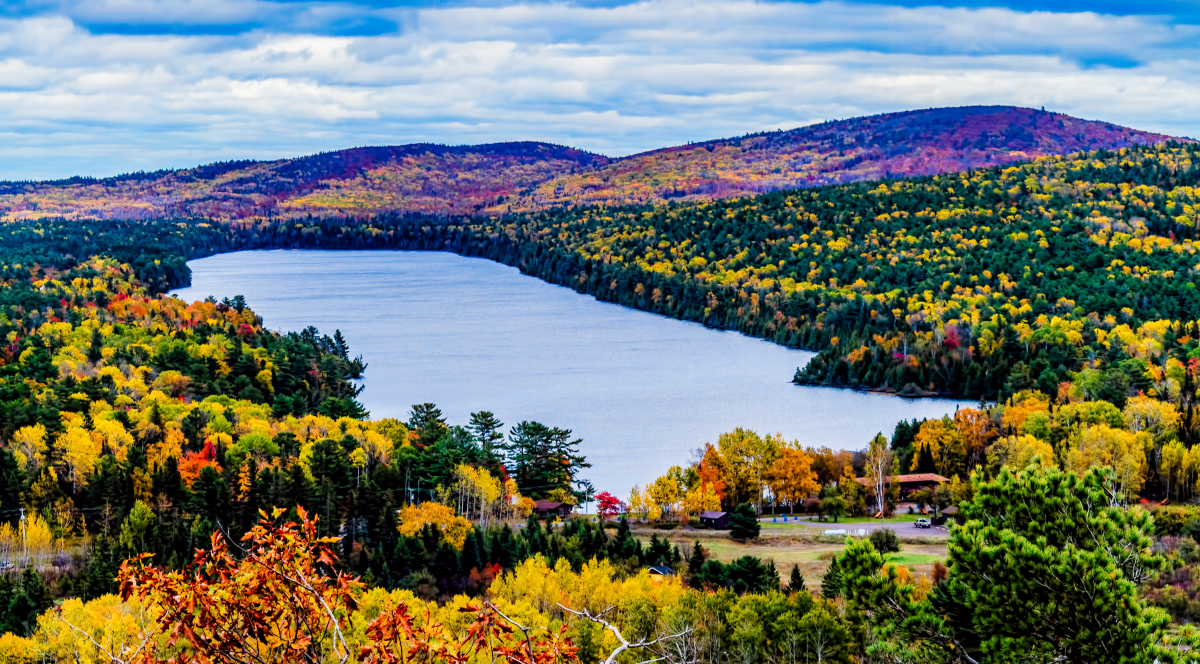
(912, 143)
(524, 176)
(423, 178)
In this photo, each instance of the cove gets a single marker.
(643, 391)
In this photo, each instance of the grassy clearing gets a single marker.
(812, 553)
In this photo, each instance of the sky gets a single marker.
(101, 87)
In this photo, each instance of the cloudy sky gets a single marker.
(100, 87)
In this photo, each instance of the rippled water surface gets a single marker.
(468, 334)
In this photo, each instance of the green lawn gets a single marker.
(903, 558)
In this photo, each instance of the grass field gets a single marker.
(812, 554)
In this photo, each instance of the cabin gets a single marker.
(661, 570)
(910, 483)
(715, 520)
(550, 509)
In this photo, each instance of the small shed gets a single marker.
(661, 570)
(715, 520)
(551, 509)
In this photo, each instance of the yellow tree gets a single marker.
(703, 498)
(1017, 452)
(941, 440)
(1171, 462)
(747, 456)
(791, 477)
(414, 518)
(975, 428)
(1150, 415)
(29, 446)
(665, 492)
(1123, 451)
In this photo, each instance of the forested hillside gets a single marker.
(411, 178)
(893, 145)
(519, 177)
(1071, 273)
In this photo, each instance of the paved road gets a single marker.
(904, 529)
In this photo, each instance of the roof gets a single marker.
(712, 515)
(546, 505)
(950, 511)
(910, 479)
(663, 569)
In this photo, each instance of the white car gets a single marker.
(923, 522)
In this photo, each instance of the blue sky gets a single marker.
(100, 87)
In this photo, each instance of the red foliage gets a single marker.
(608, 505)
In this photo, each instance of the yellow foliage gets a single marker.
(1123, 451)
(1017, 452)
(413, 519)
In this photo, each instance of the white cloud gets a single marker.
(612, 79)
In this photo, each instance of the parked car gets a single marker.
(922, 522)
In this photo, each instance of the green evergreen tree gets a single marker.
(472, 554)
(796, 581)
(1045, 568)
(743, 523)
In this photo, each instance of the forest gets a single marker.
(1065, 274)
(156, 453)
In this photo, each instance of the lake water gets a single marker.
(468, 334)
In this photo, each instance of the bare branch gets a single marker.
(625, 643)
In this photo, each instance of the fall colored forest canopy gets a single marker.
(133, 422)
(1065, 273)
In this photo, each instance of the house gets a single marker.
(715, 520)
(661, 570)
(910, 483)
(550, 509)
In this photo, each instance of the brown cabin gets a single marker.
(715, 520)
(551, 509)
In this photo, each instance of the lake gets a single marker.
(468, 334)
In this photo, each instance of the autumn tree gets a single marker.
(975, 429)
(791, 477)
(1103, 446)
(286, 608)
(938, 448)
(747, 456)
(1017, 452)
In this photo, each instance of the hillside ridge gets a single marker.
(522, 176)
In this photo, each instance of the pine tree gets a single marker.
(696, 560)
(485, 427)
(743, 523)
(831, 583)
(796, 582)
(472, 557)
(1046, 567)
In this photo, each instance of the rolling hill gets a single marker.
(525, 176)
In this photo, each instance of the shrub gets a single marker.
(1171, 520)
(885, 541)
